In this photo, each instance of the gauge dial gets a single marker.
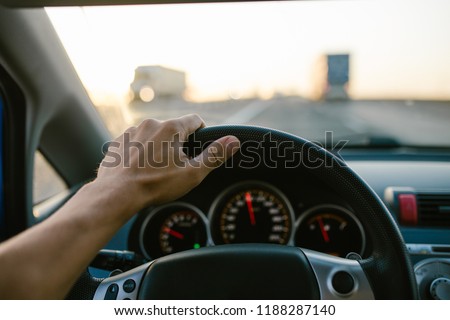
(251, 212)
(330, 229)
(182, 230)
(173, 228)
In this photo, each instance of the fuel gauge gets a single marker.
(330, 229)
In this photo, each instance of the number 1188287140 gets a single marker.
(296, 310)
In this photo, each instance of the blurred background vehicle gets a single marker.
(155, 82)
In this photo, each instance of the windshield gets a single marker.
(362, 70)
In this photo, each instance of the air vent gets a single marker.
(434, 209)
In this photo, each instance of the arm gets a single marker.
(44, 261)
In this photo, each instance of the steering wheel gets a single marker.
(265, 271)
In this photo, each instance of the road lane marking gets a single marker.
(249, 112)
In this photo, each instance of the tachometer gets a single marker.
(251, 212)
(182, 230)
(173, 228)
(330, 229)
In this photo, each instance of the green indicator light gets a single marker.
(196, 246)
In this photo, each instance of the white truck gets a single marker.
(151, 82)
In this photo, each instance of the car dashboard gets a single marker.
(294, 208)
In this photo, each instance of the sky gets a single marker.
(399, 49)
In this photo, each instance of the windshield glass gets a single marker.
(366, 71)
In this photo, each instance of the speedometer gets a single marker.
(251, 212)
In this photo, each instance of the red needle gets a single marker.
(251, 213)
(322, 229)
(174, 233)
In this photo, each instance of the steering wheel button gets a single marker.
(112, 292)
(343, 282)
(129, 286)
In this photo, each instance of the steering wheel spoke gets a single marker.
(124, 286)
(332, 277)
(339, 278)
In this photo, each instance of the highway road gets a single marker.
(407, 122)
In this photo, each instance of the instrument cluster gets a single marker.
(251, 212)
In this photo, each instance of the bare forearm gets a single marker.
(71, 238)
(45, 261)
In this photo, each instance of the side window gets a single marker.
(46, 181)
(2, 213)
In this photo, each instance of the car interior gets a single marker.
(341, 189)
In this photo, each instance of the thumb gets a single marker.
(217, 153)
